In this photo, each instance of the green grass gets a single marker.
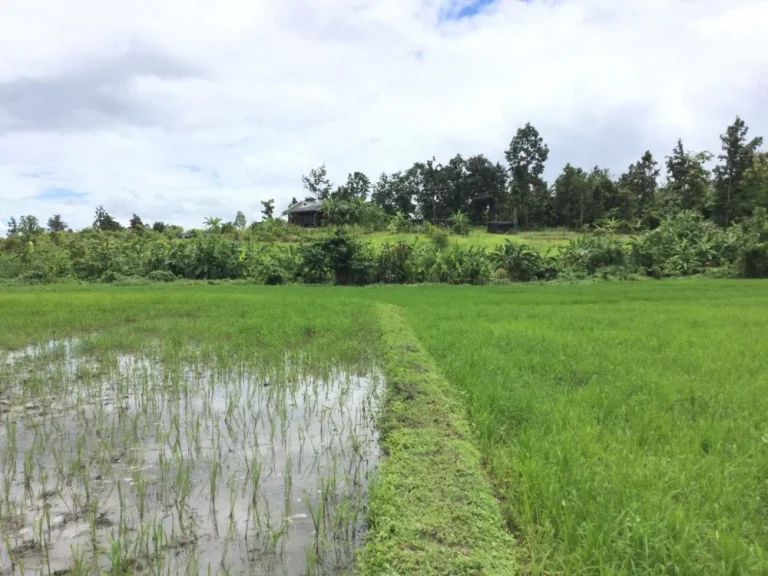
(622, 425)
(478, 236)
(431, 511)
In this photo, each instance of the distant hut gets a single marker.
(306, 214)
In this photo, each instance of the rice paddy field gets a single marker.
(596, 428)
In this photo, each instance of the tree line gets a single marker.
(724, 188)
(517, 192)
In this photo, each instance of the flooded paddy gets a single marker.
(136, 463)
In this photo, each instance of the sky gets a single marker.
(181, 109)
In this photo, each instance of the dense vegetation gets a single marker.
(681, 245)
(697, 220)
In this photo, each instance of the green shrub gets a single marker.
(161, 276)
(393, 264)
(588, 254)
(459, 223)
(753, 261)
(522, 263)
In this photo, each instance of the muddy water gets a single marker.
(170, 468)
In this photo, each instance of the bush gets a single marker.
(459, 223)
(400, 224)
(437, 235)
(111, 277)
(682, 245)
(161, 276)
(35, 276)
(393, 264)
(522, 263)
(272, 273)
(313, 265)
(753, 261)
(588, 254)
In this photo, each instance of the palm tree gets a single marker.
(212, 223)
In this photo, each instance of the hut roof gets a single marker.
(305, 207)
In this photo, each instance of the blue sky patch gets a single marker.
(60, 194)
(459, 9)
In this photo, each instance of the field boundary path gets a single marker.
(431, 510)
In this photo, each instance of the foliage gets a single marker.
(731, 201)
(399, 224)
(136, 224)
(56, 224)
(521, 263)
(357, 187)
(213, 224)
(526, 156)
(268, 209)
(241, 222)
(459, 223)
(752, 259)
(317, 184)
(161, 276)
(587, 255)
(437, 235)
(104, 222)
(682, 245)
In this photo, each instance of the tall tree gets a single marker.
(213, 224)
(453, 194)
(240, 221)
(430, 187)
(572, 197)
(317, 183)
(268, 209)
(136, 224)
(602, 192)
(736, 157)
(756, 181)
(159, 227)
(29, 226)
(13, 227)
(485, 186)
(56, 224)
(103, 221)
(688, 179)
(641, 181)
(526, 157)
(357, 187)
(394, 193)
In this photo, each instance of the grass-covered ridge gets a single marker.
(431, 510)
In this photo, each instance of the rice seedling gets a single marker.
(120, 452)
(213, 429)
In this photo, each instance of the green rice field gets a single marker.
(591, 428)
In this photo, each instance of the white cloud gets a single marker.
(179, 109)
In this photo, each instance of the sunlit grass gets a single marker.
(622, 424)
(478, 236)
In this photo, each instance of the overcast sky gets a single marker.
(180, 109)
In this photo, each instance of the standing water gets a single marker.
(131, 464)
